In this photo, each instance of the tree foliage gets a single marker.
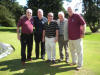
(92, 14)
(6, 17)
(10, 11)
(47, 6)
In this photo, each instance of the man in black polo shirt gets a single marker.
(50, 34)
(38, 30)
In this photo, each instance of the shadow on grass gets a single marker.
(34, 68)
(8, 30)
(88, 33)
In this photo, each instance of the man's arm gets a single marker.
(57, 33)
(43, 35)
(83, 29)
(83, 24)
(43, 38)
(56, 39)
(18, 33)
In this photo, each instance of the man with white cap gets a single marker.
(26, 37)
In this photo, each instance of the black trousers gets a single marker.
(26, 40)
(38, 41)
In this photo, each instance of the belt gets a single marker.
(61, 35)
(50, 36)
(26, 34)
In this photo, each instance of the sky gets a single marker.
(77, 4)
(22, 2)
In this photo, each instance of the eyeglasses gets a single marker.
(29, 12)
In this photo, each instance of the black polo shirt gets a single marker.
(50, 29)
(38, 24)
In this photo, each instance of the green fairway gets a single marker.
(11, 64)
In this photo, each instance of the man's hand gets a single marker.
(83, 29)
(18, 37)
(43, 40)
(56, 39)
(82, 36)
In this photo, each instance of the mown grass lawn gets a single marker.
(11, 65)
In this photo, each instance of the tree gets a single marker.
(47, 5)
(6, 17)
(13, 6)
(92, 14)
(10, 12)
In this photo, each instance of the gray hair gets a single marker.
(40, 11)
(29, 10)
(62, 13)
(50, 13)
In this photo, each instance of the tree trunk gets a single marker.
(93, 27)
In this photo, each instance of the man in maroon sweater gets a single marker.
(76, 30)
(26, 38)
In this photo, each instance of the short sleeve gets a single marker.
(56, 25)
(45, 19)
(81, 20)
(19, 23)
(44, 26)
